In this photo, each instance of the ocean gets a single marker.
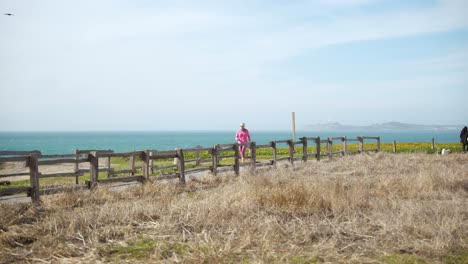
(67, 142)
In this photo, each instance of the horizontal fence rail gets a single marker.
(170, 164)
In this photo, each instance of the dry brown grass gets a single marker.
(377, 208)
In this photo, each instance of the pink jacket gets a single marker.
(242, 135)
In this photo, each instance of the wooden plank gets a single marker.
(60, 161)
(157, 156)
(139, 178)
(15, 190)
(311, 138)
(282, 141)
(56, 156)
(226, 145)
(120, 154)
(370, 137)
(14, 174)
(97, 151)
(61, 174)
(13, 159)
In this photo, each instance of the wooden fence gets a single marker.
(151, 170)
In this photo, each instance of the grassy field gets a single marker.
(369, 208)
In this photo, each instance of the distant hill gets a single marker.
(389, 126)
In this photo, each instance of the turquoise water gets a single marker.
(67, 142)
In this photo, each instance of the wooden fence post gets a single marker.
(151, 163)
(93, 169)
(291, 151)
(77, 165)
(145, 157)
(361, 144)
(433, 143)
(394, 146)
(181, 165)
(304, 148)
(273, 146)
(330, 147)
(131, 164)
(378, 144)
(34, 178)
(345, 145)
(197, 156)
(253, 154)
(235, 147)
(108, 163)
(214, 153)
(317, 144)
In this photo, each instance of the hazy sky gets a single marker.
(209, 65)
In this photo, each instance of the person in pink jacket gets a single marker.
(242, 136)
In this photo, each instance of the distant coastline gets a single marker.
(389, 126)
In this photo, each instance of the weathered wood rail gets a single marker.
(154, 163)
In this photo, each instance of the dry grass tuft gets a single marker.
(376, 208)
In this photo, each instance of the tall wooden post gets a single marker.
(215, 153)
(253, 154)
(304, 149)
(361, 144)
(330, 147)
(93, 169)
(34, 178)
(433, 143)
(108, 163)
(273, 147)
(145, 157)
(197, 156)
(378, 144)
(291, 151)
(77, 165)
(345, 145)
(181, 165)
(131, 164)
(394, 146)
(317, 144)
(235, 147)
(151, 163)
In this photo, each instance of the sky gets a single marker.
(209, 64)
